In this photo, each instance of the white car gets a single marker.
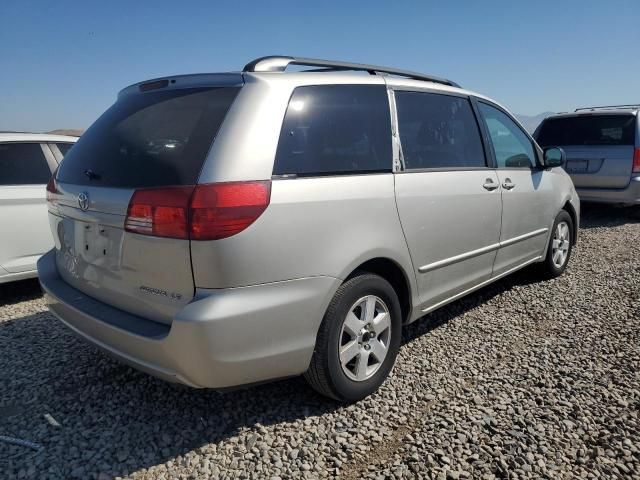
(27, 161)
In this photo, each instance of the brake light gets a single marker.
(201, 212)
(636, 161)
(52, 189)
(161, 212)
(220, 210)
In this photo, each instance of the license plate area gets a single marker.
(86, 246)
(577, 166)
(94, 241)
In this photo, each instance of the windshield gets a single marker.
(150, 139)
(588, 130)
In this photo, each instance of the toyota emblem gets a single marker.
(83, 201)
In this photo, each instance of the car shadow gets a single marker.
(20, 291)
(443, 315)
(593, 215)
(116, 420)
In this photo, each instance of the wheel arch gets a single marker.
(392, 272)
(567, 207)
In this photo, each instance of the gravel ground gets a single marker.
(523, 379)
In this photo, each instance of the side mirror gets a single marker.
(553, 157)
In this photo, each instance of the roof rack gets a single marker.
(278, 63)
(630, 106)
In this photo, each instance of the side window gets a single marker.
(334, 129)
(23, 164)
(510, 144)
(438, 131)
(64, 147)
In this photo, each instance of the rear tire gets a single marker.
(560, 246)
(358, 339)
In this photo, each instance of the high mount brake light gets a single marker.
(201, 212)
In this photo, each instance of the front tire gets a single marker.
(560, 246)
(358, 339)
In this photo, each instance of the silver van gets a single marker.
(602, 145)
(227, 229)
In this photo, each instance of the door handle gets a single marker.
(490, 185)
(508, 184)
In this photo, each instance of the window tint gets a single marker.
(588, 130)
(438, 131)
(330, 129)
(510, 144)
(149, 139)
(64, 148)
(23, 164)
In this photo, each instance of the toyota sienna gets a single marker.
(228, 229)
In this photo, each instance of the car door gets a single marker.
(448, 197)
(526, 190)
(24, 172)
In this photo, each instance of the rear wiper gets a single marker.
(92, 175)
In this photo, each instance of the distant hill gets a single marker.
(74, 132)
(531, 122)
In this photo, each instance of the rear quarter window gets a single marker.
(23, 164)
(151, 139)
(335, 129)
(588, 130)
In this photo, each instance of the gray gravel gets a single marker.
(523, 379)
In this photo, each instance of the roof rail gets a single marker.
(604, 107)
(280, 63)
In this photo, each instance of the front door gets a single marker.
(525, 192)
(448, 198)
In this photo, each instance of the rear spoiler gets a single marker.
(196, 80)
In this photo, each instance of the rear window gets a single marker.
(588, 130)
(150, 139)
(335, 129)
(23, 164)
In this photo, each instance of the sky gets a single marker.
(62, 63)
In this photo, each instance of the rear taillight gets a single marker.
(52, 189)
(220, 210)
(202, 212)
(161, 212)
(636, 161)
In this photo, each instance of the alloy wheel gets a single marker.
(560, 245)
(365, 337)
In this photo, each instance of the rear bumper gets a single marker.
(625, 196)
(223, 338)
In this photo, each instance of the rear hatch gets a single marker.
(599, 147)
(155, 138)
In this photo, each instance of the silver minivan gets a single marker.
(602, 145)
(227, 229)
